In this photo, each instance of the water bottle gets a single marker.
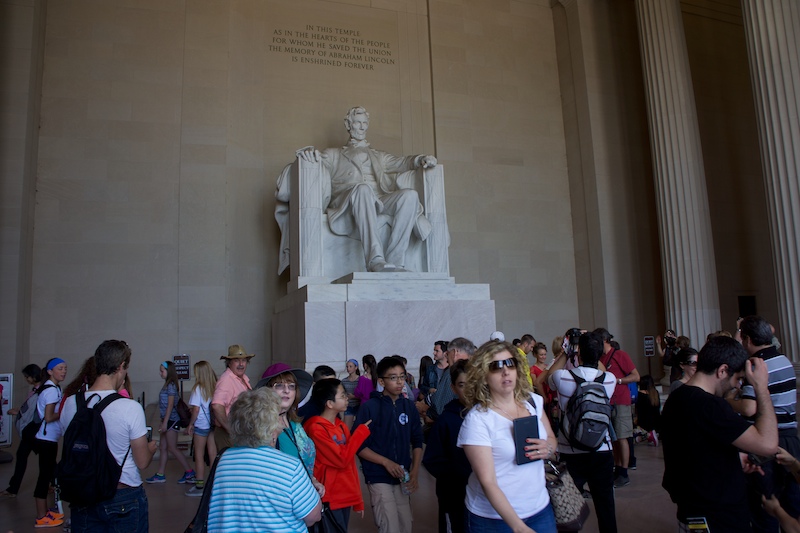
(404, 482)
(59, 505)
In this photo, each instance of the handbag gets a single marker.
(568, 504)
(327, 524)
(199, 523)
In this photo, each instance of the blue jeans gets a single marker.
(542, 522)
(126, 512)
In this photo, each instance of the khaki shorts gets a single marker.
(622, 420)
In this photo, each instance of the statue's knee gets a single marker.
(362, 192)
(407, 196)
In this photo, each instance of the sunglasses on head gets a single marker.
(497, 366)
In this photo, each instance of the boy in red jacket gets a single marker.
(335, 465)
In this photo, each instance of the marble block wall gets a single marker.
(378, 313)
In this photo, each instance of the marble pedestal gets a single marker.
(379, 313)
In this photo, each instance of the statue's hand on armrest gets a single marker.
(426, 161)
(309, 153)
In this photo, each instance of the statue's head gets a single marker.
(359, 117)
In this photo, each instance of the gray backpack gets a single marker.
(588, 414)
(28, 413)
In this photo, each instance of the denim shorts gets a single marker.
(202, 432)
(542, 522)
(126, 511)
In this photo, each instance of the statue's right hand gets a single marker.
(310, 154)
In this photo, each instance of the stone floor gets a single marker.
(642, 506)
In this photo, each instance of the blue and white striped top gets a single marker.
(260, 489)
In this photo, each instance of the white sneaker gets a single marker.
(194, 491)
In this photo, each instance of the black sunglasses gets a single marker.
(497, 366)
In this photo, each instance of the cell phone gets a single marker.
(149, 433)
(525, 428)
(759, 460)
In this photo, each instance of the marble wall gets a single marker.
(147, 212)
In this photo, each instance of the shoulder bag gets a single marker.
(569, 506)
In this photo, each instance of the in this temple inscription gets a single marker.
(363, 191)
(335, 47)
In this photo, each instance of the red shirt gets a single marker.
(619, 363)
(335, 465)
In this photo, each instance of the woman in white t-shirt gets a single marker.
(501, 494)
(200, 426)
(47, 440)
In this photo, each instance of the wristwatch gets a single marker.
(619, 381)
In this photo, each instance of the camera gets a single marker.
(574, 334)
(571, 343)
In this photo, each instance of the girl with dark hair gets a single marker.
(47, 437)
(369, 381)
(33, 375)
(687, 363)
(335, 466)
(170, 425)
(425, 362)
(648, 409)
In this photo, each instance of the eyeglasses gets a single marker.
(401, 377)
(690, 363)
(497, 366)
(284, 386)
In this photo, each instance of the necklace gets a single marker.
(516, 410)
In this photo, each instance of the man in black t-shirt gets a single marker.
(703, 436)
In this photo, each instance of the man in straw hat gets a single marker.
(230, 385)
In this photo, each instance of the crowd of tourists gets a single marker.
(514, 443)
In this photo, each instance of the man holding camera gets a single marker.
(703, 472)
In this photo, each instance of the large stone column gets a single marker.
(690, 279)
(773, 42)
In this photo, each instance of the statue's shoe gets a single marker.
(379, 265)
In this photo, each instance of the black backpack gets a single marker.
(88, 473)
(588, 414)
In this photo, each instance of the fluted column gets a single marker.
(689, 269)
(773, 44)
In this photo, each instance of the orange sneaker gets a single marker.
(49, 520)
